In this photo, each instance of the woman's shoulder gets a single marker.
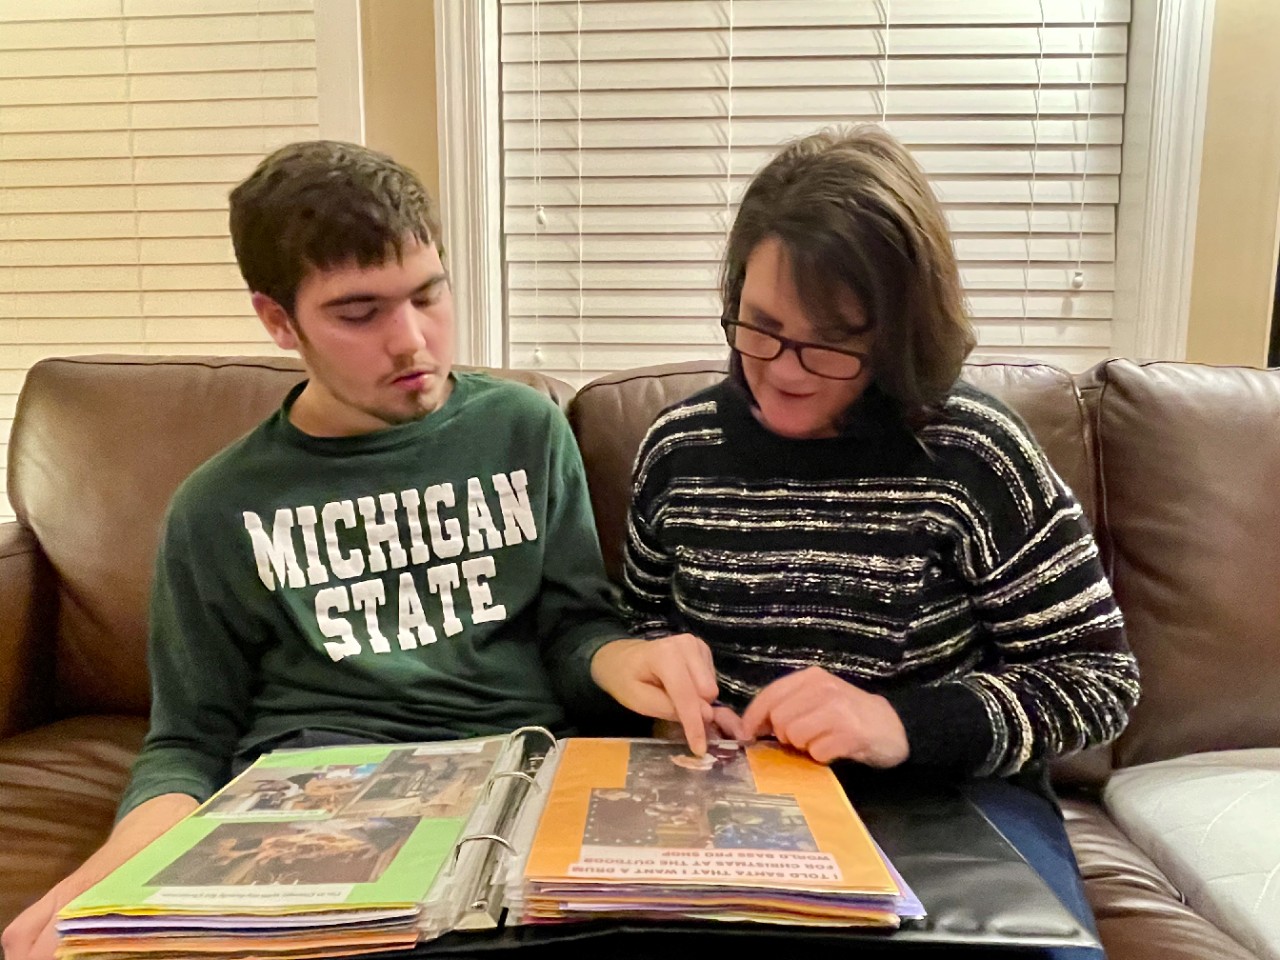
(699, 411)
(970, 413)
(981, 442)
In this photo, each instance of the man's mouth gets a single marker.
(413, 379)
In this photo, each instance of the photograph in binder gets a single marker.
(674, 799)
(296, 852)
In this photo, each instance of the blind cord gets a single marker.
(539, 211)
(884, 91)
(580, 330)
(1035, 159)
(1077, 278)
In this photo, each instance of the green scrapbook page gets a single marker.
(310, 830)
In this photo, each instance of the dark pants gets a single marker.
(1031, 824)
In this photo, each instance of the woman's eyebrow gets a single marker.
(760, 318)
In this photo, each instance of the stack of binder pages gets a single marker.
(643, 829)
(335, 851)
(351, 850)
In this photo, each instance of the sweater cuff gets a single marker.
(592, 711)
(138, 793)
(947, 727)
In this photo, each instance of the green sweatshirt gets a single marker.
(434, 580)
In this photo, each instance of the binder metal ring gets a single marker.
(535, 729)
(520, 774)
(496, 838)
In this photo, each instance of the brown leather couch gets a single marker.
(1177, 465)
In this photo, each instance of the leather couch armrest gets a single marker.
(26, 617)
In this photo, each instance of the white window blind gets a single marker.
(630, 130)
(123, 125)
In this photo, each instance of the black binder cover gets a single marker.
(982, 897)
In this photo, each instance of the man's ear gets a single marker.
(277, 321)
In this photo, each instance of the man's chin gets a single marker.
(398, 418)
(422, 404)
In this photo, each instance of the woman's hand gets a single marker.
(829, 719)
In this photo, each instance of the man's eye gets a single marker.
(358, 317)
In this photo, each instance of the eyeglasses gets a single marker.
(829, 362)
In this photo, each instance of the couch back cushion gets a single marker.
(610, 416)
(1190, 468)
(99, 444)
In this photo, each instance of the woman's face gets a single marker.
(791, 401)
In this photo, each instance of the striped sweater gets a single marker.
(949, 569)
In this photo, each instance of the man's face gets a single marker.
(377, 342)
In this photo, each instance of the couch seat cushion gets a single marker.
(1210, 822)
(59, 785)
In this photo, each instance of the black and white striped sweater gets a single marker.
(950, 570)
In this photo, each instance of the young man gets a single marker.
(401, 552)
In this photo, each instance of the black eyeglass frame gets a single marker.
(786, 343)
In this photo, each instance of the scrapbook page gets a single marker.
(745, 832)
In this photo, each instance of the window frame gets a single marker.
(1160, 174)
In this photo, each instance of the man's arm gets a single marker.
(585, 641)
(201, 659)
(31, 935)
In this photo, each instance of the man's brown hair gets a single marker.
(320, 204)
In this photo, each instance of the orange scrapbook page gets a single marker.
(743, 815)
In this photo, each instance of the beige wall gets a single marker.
(398, 49)
(1233, 281)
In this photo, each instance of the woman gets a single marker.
(881, 560)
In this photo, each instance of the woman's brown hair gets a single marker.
(854, 211)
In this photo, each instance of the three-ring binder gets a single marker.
(484, 896)
(518, 774)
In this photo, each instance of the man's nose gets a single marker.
(408, 330)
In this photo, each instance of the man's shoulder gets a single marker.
(226, 470)
(503, 400)
(487, 389)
